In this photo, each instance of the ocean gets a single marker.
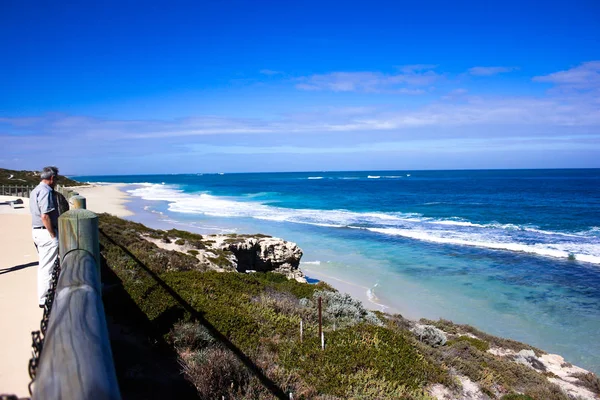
(515, 253)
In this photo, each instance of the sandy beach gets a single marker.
(19, 312)
(105, 199)
(358, 292)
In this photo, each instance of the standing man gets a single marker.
(44, 219)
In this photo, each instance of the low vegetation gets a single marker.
(30, 178)
(234, 333)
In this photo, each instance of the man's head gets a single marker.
(49, 175)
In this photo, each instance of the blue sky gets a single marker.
(234, 86)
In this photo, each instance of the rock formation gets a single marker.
(264, 254)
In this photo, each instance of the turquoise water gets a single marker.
(515, 253)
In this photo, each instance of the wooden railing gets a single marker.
(25, 191)
(76, 360)
(16, 190)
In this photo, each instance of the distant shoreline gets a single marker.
(111, 198)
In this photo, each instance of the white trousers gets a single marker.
(48, 251)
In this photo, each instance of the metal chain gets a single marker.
(37, 337)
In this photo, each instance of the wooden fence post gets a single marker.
(77, 202)
(78, 229)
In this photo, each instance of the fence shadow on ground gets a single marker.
(168, 318)
(146, 366)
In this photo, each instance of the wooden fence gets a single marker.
(76, 360)
(16, 190)
(25, 190)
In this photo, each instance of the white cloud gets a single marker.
(583, 77)
(404, 82)
(457, 113)
(489, 71)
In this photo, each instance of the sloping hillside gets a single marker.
(237, 335)
(12, 177)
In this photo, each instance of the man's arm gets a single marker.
(48, 224)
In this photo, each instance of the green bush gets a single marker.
(193, 252)
(176, 233)
(478, 344)
(351, 351)
(180, 242)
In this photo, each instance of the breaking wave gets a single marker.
(581, 246)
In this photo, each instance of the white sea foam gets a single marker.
(576, 251)
(315, 177)
(100, 183)
(311, 262)
(373, 176)
(583, 246)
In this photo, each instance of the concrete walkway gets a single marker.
(19, 312)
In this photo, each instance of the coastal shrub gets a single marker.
(342, 309)
(176, 233)
(282, 283)
(478, 344)
(349, 351)
(193, 252)
(589, 381)
(222, 259)
(513, 396)
(190, 336)
(215, 372)
(460, 329)
(429, 334)
(180, 242)
(492, 373)
(280, 302)
(128, 234)
(155, 235)
(366, 384)
(197, 244)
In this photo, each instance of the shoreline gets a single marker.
(134, 210)
(106, 198)
(112, 199)
(365, 294)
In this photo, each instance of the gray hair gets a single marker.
(49, 172)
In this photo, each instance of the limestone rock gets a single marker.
(266, 254)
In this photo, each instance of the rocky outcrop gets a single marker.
(244, 253)
(264, 254)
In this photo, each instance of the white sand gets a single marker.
(105, 199)
(19, 311)
(358, 292)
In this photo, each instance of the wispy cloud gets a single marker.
(270, 72)
(460, 116)
(585, 76)
(489, 71)
(574, 111)
(409, 80)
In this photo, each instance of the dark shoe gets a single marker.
(41, 305)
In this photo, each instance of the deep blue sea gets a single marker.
(515, 253)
